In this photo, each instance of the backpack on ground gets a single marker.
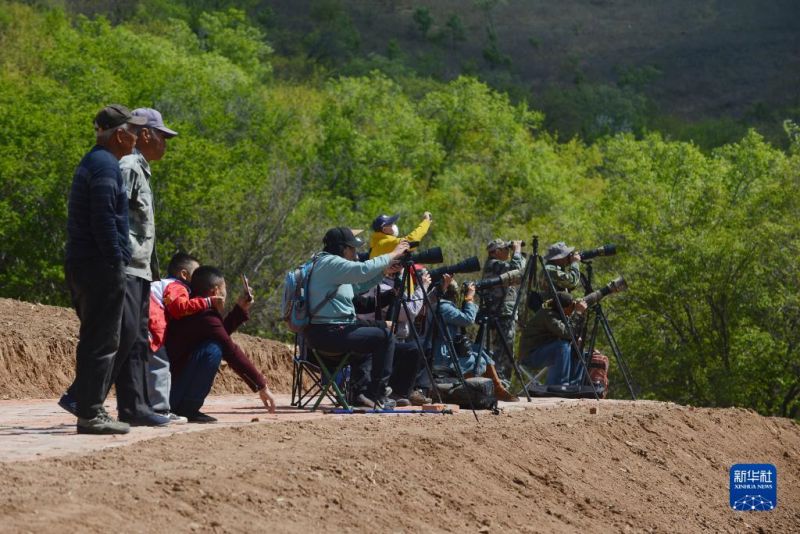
(294, 306)
(480, 390)
(598, 373)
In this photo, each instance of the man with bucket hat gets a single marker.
(563, 265)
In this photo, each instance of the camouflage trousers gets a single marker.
(508, 327)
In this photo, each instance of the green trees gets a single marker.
(261, 168)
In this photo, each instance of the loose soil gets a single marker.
(641, 467)
(631, 466)
(37, 354)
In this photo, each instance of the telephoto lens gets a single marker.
(505, 280)
(615, 286)
(470, 265)
(605, 250)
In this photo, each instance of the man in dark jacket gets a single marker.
(96, 256)
(196, 345)
(546, 341)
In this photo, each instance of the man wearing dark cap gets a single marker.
(546, 341)
(499, 301)
(97, 253)
(336, 277)
(563, 265)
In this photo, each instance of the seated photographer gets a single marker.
(335, 279)
(471, 362)
(546, 341)
(499, 301)
(563, 265)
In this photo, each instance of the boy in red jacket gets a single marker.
(169, 300)
(197, 344)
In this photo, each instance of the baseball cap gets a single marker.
(341, 236)
(154, 120)
(114, 115)
(384, 220)
(559, 250)
(498, 243)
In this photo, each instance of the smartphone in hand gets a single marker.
(247, 291)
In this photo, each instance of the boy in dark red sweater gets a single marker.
(196, 345)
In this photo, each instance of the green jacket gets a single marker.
(564, 279)
(542, 328)
(501, 300)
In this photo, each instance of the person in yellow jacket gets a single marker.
(386, 235)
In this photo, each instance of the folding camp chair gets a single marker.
(324, 382)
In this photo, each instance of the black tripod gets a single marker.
(401, 300)
(576, 349)
(489, 326)
(601, 320)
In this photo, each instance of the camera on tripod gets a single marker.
(615, 286)
(504, 280)
(431, 255)
(469, 265)
(605, 250)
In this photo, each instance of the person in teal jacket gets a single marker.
(473, 363)
(336, 277)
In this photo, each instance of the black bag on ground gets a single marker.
(479, 389)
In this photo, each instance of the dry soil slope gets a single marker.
(37, 353)
(643, 467)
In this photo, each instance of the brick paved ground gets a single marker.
(34, 429)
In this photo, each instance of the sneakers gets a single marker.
(201, 418)
(174, 418)
(418, 398)
(152, 419)
(102, 423)
(382, 404)
(69, 404)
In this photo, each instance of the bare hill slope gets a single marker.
(37, 353)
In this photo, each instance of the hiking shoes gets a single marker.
(400, 401)
(69, 404)
(102, 423)
(417, 398)
(152, 419)
(384, 403)
(201, 418)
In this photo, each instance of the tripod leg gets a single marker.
(422, 356)
(509, 353)
(623, 367)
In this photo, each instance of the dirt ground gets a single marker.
(37, 353)
(637, 467)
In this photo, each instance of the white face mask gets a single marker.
(395, 230)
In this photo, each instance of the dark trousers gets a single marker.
(129, 371)
(374, 341)
(408, 370)
(191, 387)
(98, 293)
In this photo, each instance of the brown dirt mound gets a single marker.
(641, 467)
(37, 353)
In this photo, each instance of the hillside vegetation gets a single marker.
(264, 164)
